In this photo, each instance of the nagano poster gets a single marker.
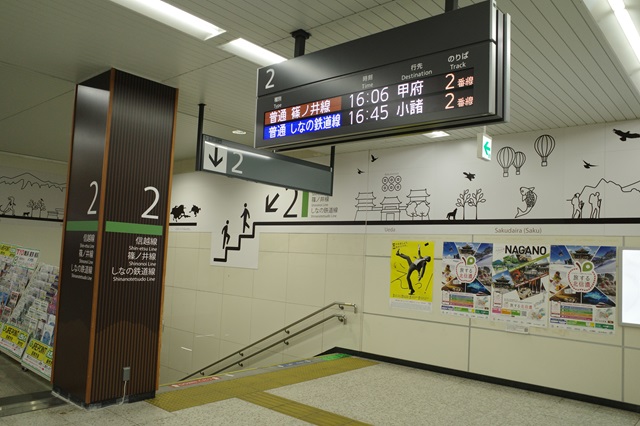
(583, 288)
(520, 279)
(411, 284)
(466, 279)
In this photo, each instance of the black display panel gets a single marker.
(352, 100)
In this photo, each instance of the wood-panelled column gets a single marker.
(114, 246)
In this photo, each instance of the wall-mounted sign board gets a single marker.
(450, 70)
(630, 287)
(240, 161)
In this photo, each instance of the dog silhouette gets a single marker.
(452, 215)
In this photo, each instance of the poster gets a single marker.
(583, 288)
(13, 340)
(411, 275)
(27, 258)
(38, 357)
(520, 280)
(466, 279)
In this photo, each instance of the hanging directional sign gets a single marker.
(447, 71)
(240, 161)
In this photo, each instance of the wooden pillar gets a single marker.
(115, 240)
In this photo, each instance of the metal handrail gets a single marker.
(240, 352)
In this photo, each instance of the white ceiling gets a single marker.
(564, 72)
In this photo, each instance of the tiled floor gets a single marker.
(14, 381)
(379, 394)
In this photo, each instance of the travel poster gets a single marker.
(411, 275)
(466, 279)
(583, 288)
(520, 279)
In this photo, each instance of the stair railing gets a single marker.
(287, 329)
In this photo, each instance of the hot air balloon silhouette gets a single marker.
(544, 146)
(519, 160)
(505, 157)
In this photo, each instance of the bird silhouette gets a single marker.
(373, 158)
(360, 172)
(589, 165)
(470, 176)
(626, 135)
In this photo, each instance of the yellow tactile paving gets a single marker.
(251, 389)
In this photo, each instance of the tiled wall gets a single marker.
(211, 311)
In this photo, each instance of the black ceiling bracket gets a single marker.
(450, 5)
(301, 37)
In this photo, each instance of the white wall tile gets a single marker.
(631, 375)
(169, 375)
(306, 279)
(345, 279)
(210, 278)
(173, 237)
(238, 281)
(183, 307)
(186, 268)
(187, 240)
(310, 343)
(305, 345)
(631, 336)
(208, 316)
(551, 239)
(343, 334)
(180, 346)
(274, 242)
(437, 344)
(557, 363)
(631, 242)
(167, 305)
(270, 280)
(352, 244)
(165, 340)
(205, 240)
(236, 319)
(266, 318)
(231, 348)
(214, 283)
(308, 243)
(206, 350)
(170, 262)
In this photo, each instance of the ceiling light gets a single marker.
(172, 16)
(436, 134)
(624, 19)
(252, 52)
(239, 132)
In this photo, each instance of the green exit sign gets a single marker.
(484, 146)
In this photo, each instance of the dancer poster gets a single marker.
(411, 275)
(466, 279)
(520, 280)
(583, 288)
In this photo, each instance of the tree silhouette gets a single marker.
(463, 200)
(475, 199)
(418, 209)
(40, 205)
(32, 205)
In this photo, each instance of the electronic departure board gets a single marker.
(451, 70)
